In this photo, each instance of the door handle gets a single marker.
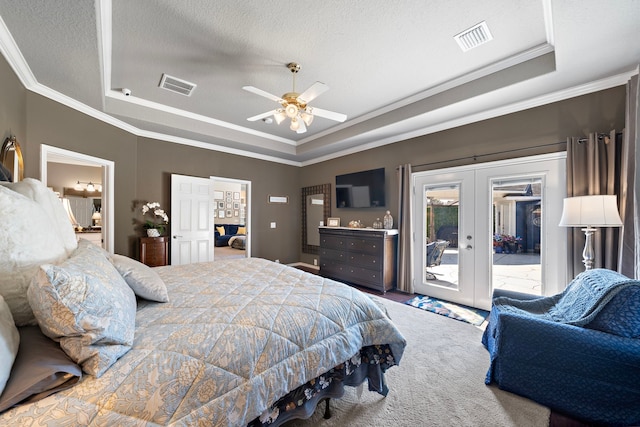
(175, 237)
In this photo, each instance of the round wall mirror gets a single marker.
(12, 166)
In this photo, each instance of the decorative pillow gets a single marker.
(144, 282)
(620, 315)
(28, 238)
(41, 368)
(52, 205)
(242, 230)
(87, 306)
(220, 230)
(9, 340)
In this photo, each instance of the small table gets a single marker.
(154, 251)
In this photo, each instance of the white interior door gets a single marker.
(467, 206)
(192, 223)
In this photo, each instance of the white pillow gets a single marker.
(52, 205)
(9, 342)
(28, 238)
(141, 278)
(86, 305)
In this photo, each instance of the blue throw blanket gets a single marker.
(578, 304)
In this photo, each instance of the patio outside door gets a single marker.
(468, 206)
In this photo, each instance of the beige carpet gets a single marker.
(440, 382)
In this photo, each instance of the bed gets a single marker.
(234, 343)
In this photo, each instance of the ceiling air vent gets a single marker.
(176, 85)
(474, 36)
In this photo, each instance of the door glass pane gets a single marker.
(441, 236)
(517, 213)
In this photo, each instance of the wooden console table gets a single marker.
(362, 256)
(154, 251)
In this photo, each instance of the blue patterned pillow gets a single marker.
(621, 315)
(87, 306)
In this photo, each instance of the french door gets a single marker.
(499, 223)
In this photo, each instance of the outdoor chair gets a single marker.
(435, 250)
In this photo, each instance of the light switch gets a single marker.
(273, 225)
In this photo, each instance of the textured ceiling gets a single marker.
(392, 67)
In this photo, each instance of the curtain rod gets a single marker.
(476, 156)
(601, 136)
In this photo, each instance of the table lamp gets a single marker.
(590, 212)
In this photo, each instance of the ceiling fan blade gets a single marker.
(262, 116)
(315, 90)
(338, 117)
(262, 93)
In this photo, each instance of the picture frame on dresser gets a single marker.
(333, 222)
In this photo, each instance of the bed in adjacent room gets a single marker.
(229, 343)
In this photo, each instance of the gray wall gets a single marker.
(13, 110)
(514, 135)
(159, 159)
(143, 166)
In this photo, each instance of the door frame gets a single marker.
(553, 237)
(248, 208)
(48, 152)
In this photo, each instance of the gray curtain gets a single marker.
(629, 260)
(593, 167)
(405, 264)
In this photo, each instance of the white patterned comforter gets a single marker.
(235, 336)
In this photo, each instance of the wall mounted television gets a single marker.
(361, 189)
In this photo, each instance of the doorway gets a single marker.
(231, 218)
(198, 207)
(467, 211)
(105, 222)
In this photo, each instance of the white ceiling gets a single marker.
(392, 66)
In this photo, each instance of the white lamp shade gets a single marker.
(590, 211)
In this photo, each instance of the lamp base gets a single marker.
(588, 253)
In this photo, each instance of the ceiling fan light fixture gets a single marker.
(279, 116)
(307, 117)
(291, 110)
(294, 105)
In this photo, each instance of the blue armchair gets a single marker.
(588, 366)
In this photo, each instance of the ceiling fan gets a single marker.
(295, 105)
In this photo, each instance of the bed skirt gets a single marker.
(369, 364)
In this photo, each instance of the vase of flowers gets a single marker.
(157, 219)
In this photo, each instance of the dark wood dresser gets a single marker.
(361, 256)
(154, 251)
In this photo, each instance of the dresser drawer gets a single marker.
(333, 254)
(371, 246)
(334, 269)
(372, 262)
(334, 242)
